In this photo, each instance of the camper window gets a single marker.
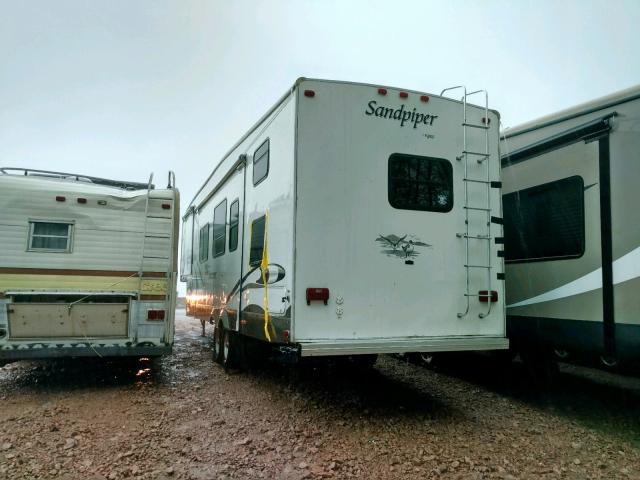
(420, 183)
(234, 219)
(50, 236)
(220, 228)
(257, 241)
(261, 163)
(204, 243)
(545, 222)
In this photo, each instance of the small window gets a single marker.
(50, 236)
(204, 243)
(257, 241)
(420, 183)
(545, 222)
(261, 163)
(234, 220)
(220, 228)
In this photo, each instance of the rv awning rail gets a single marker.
(76, 177)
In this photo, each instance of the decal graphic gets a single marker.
(401, 247)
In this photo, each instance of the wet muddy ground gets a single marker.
(185, 417)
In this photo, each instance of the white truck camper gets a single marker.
(352, 219)
(88, 266)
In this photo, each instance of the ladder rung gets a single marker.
(477, 266)
(478, 208)
(473, 125)
(469, 152)
(475, 181)
(477, 237)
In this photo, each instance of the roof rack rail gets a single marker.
(77, 177)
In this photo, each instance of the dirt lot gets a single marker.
(184, 417)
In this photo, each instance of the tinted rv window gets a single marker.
(257, 241)
(261, 163)
(219, 228)
(545, 222)
(420, 183)
(50, 236)
(234, 219)
(204, 243)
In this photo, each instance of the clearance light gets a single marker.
(60, 198)
(486, 120)
(382, 91)
(404, 94)
(484, 295)
(309, 93)
(82, 200)
(319, 294)
(155, 314)
(166, 206)
(102, 202)
(424, 98)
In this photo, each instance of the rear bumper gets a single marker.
(82, 350)
(313, 348)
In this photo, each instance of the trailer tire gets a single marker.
(229, 349)
(216, 345)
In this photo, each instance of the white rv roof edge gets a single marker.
(616, 98)
(282, 99)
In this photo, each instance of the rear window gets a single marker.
(420, 183)
(219, 228)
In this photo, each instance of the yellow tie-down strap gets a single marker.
(264, 266)
(82, 283)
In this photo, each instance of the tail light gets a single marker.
(155, 314)
(485, 295)
(317, 294)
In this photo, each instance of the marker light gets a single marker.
(309, 93)
(484, 296)
(320, 294)
(486, 120)
(382, 91)
(404, 94)
(82, 200)
(166, 206)
(60, 198)
(424, 98)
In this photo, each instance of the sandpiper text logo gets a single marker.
(403, 116)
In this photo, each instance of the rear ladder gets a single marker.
(484, 206)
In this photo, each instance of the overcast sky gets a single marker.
(121, 88)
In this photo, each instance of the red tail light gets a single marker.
(485, 295)
(317, 294)
(309, 93)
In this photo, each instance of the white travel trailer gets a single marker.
(352, 219)
(572, 230)
(87, 266)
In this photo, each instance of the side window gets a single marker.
(545, 222)
(50, 236)
(234, 220)
(220, 228)
(261, 163)
(420, 183)
(204, 243)
(257, 241)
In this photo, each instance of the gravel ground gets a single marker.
(184, 417)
